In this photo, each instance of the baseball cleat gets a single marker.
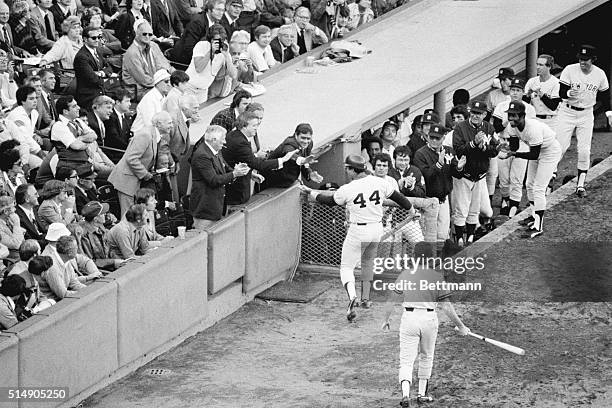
(350, 313)
(366, 303)
(424, 399)
(405, 402)
(581, 192)
(460, 243)
(526, 221)
(470, 239)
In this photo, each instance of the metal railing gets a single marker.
(324, 229)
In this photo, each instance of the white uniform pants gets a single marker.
(511, 175)
(417, 333)
(361, 240)
(466, 200)
(485, 203)
(551, 122)
(583, 121)
(539, 173)
(443, 227)
(492, 174)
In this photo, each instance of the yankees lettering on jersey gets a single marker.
(588, 84)
(535, 133)
(535, 88)
(364, 198)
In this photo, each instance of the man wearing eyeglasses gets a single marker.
(143, 59)
(90, 68)
(307, 34)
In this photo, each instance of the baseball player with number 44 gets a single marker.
(363, 197)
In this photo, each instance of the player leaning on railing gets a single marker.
(363, 196)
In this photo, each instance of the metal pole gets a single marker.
(532, 57)
(440, 104)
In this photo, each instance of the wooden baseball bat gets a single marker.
(500, 344)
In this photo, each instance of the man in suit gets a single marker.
(26, 198)
(196, 30)
(210, 174)
(180, 139)
(118, 126)
(138, 163)
(90, 68)
(6, 34)
(284, 46)
(46, 104)
(60, 11)
(229, 21)
(166, 22)
(101, 109)
(45, 25)
(239, 150)
(308, 35)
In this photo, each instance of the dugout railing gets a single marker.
(324, 229)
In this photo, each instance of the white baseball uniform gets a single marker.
(418, 329)
(511, 171)
(494, 98)
(577, 112)
(550, 88)
(363, 198)
(541, 170)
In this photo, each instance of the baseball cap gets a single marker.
(437, 131)
(160, 75)
(586, 52)
(330, 186)
(516, 107)
(478, 106)
(506, 72)
(237, 2)
(418, 119)
(94, 208)
(355, 161)
(86, 171)
(56, 231)
(517, 82)
(430, 117)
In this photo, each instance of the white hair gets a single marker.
(237, 35)
(214, 132)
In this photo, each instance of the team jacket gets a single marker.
(438, 179)
(477, 159)
(419, 188)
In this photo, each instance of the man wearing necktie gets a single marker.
(309, 36)
(210, 175)
(90, 68)
(60, 11)
(284, 46)
(118, 126)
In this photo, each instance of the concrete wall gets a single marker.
(153, 303)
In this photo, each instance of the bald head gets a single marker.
(163, 122)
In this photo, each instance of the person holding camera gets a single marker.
(210, 58)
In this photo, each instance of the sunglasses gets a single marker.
(96, 37)
(148, 34)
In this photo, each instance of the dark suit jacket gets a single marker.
(117, 136)
(92, 122)
(124, 28)
(238, 149)
(45, 115)
(161, 22)
(89, 84)
(278, 54)
(229, 28)
(194, 32)
(58, 17)
(209, 175)
(32, 230)
(290, 172)
(82, 199)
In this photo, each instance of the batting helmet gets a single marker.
(355, 161)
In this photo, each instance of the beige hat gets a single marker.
(56, 231)
(160, 75)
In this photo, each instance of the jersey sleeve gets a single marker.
(528, 86)
(536, 136)
(604, 85)
(498, 112)
(566, 78)
(341, 195)
(388, 188)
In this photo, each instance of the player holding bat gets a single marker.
(419, 329)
